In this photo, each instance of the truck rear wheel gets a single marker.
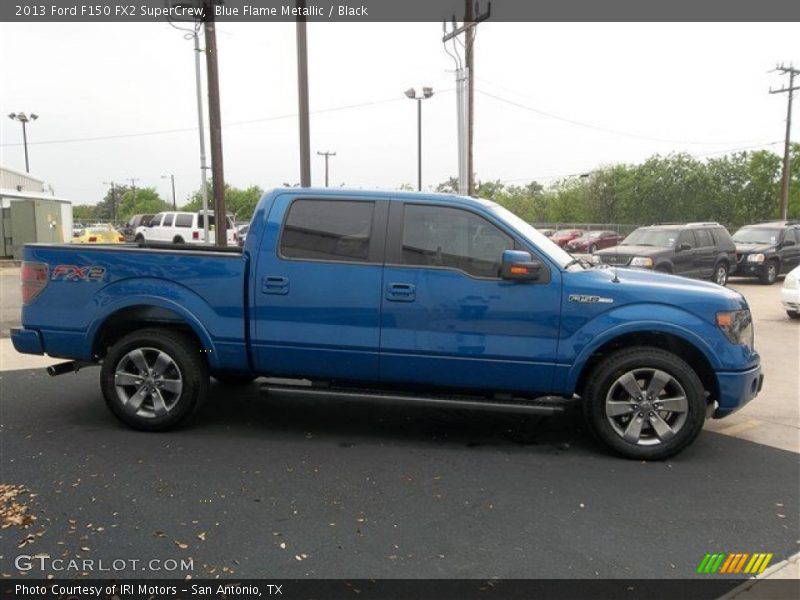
(645, 403)
(154, 379)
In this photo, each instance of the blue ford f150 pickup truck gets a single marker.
(418, 297)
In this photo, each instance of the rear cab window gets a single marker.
(329, 230)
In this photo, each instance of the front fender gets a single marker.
(576, 347)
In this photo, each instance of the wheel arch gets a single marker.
(123, 320)
(669, 341)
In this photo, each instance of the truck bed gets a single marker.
(202, 287)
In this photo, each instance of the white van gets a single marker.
(181, 228)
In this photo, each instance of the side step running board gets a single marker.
(549, 405)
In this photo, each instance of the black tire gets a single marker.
(139, 239)
(769, 274)
(233, 379)
(793, 314)
(663, 269)
(604, 384)
(720, 276)
(187, 367)
(178, 240)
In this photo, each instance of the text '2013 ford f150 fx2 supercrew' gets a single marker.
(423, 298)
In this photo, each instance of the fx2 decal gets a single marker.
(74, 273)
(583, 299)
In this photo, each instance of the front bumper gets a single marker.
(749, 269)
(27, 341)
(737, 389)
(790, 299)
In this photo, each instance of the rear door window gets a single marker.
(183, 220)
(334, 230)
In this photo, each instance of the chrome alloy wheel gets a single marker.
(721, 275)
(646, 406)
(148, 382)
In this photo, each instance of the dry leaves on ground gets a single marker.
(12, 512)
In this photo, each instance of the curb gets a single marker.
(748, 585)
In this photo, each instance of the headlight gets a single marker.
(737, 325)
(642, 261)
(757, 258)
(790, 283)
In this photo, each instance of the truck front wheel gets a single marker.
(645, 403)
(154, 379)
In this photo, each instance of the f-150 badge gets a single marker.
(584, 299)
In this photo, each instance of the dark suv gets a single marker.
(766, 250)
(699, 250)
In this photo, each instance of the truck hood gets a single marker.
(752, 248)
(623, 250)
(636, 286)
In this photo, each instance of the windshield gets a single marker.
(756, 235)
(652, 237)
(543, 243)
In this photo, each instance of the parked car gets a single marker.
(77, 229)
(431, 299)
(99, 234)
(561, 237)
(241, 233)
(790, 293)
(136, 221)
(767, 250)
(181, 228)
(699, 250)
(591, 241)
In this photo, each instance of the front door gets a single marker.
(685, 258)
(448, 319)
(317, 296)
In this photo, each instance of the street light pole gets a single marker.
(172, 177)
(24, 119)
(411, 93)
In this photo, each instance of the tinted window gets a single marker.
(168, 220)
(646, 236)
(703, 238)
(436, 236)
(795, 237)
(211, 221)
(687, 237)
(328, 230)
(183, 220)
(757, 235)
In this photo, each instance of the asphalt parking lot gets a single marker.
(268, 485)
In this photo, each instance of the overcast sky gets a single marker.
(604, 93)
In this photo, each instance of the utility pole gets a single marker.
(327, 155)
(172, 177)
(133, 181)
(215, 127)
(302, 98)
(785, 175)
(24, 119)
(113, 199)
(465, 88)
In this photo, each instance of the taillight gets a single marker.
(93, 239)
(34, 280)
(195, 235)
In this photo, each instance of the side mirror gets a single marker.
(151, 224)
(684, 246)
(520, 266)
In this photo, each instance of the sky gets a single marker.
(552, 100)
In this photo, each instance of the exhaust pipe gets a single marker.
(72, 366)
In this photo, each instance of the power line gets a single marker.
(789, 91)
(231, 124)
(630, 134)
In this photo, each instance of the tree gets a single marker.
(239, 202)
(140, 201)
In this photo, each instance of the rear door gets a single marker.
(706, 255)
(448, 319)
(317, 296)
